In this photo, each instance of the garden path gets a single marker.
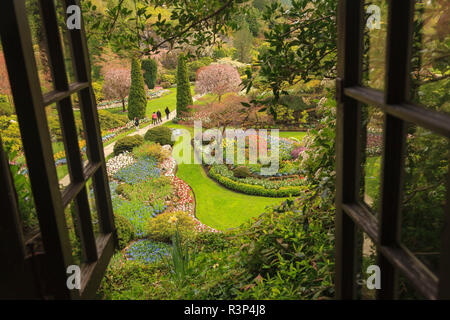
(110, 148)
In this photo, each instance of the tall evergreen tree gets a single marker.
(137, 101)
(243, 40)
(150, 68)
(184, 97)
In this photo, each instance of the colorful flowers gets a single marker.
(118, 162)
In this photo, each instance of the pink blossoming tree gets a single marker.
(117, 85)
(218, 79)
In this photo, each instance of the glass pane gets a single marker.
(424, 201)
(375, 43)
(366, 260)
(430, 64)
(406, 290)
(39, 42)
(372, 146)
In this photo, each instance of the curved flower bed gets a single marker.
(285, 182)
(183, 192)
(125, 168)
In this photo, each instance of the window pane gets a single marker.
(426, 169)
(375, 43)
(430, 64)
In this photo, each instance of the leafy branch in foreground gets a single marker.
(146, 26)
(301, 46)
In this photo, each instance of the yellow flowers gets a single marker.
(215, 266)
(173, 219)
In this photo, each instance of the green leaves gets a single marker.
(144, 26)
(302, 44)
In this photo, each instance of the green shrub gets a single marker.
(161, 135)
(6, 109)
(98, 91)
(291, 249)
(150, 68)
(254, 189)
(211, 241)
(242, 172)
(137, 100)
(125, 231)
(127, 143)
(152, 150)
(110, 120)
(162, 229)
(168, 78)
(193, 66)
(184, 97)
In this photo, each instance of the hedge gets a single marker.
(253, 189)
(127, 144)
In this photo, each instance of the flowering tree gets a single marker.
(218, 79)
(117, 84)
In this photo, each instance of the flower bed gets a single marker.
(116, 163)
(142, 170)
(147, 251)
(286, 181)
(185, 201)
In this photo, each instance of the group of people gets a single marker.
(156, 117)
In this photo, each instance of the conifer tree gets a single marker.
(184, 97)
(137, 101)
(150, 68)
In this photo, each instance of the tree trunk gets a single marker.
(123, 106)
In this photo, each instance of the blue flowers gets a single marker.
(143, 170)
(137, 213)
(135, 209)
(147, 251)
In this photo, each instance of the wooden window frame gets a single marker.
(394, 102)
(43, 275)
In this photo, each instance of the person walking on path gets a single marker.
(159, 116)
(136, 123)
(167, 111)
(154, 117)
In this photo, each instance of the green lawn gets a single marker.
(217, 206)
(372, 176)
(296, 135)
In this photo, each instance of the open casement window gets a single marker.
(42, 272)
(399, 115)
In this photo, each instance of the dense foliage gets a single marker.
(137, 100)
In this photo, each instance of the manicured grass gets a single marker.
(372, 176)
(296, 135)
(217, 206)
(169, 100)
